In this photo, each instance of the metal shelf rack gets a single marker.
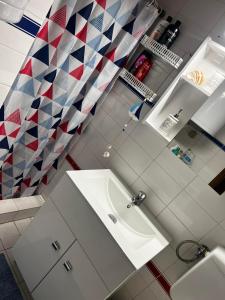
(162, 52)
(138, 86)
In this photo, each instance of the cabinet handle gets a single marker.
(67, 265)
(56, 245)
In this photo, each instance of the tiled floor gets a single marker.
(9, 233)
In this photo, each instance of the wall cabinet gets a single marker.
(67, 252)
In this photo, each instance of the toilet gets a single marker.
(204, 281)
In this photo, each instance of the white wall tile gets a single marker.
(134, 155)
(174, 227)
(177, 169)
(10, 64)
(191, 215)
(161, 183)
(213, 167)
(15, 38)
(38, 9)
(215, 237)
(175, 271)
(148, 139)
(207, 198)
(165, 258)
(4, 89)
(22, 224)
(152, 202)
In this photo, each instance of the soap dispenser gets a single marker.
(170, 122)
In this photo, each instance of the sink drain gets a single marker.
(113, 218)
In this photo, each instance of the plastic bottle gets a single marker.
(170, 34)
(160, 28)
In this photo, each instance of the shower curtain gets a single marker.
(79, 49)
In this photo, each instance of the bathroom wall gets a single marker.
(15, 43)
(178, 196)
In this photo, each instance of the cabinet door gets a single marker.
(42, 244)
(72, 278)
(107, 257)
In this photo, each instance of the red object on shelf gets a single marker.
(143, 70)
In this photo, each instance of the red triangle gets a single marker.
(111, 55)
(79, 129)
(43, 33)
(9, 159)
(99, 67)
(14, 117)
(27, 69)
(2, 129)
(78, 72)
(49, 92)
(54, 135)
(14, 133)
(56, 41)
(27, 181)
(33, 145)
(34, 118)
(82, 35)
(45, 180)
(64, 126)
(102, 3)
(59, 17)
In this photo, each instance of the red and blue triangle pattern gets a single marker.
(78, 50)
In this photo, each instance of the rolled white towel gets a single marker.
(9, 13)
(17, 3)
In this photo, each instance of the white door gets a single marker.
(43, 243)
(72, 278)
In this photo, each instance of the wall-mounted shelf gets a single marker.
(137, 85)
(161, 51)
(185, 92)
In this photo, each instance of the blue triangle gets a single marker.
(98, 22)
(2, 113)
(47, 123)
(56, 124)
(129, 27)
(28, 88)
(61, 99)
(4, 144)
(42, 55)
(38, 165)
(109, 32)
(9, 183)
(122, 20)
(22, 140)
(104, 49)
(36, 103)
(40, 77)
(21, 165)
(93, 110)
(15, 83)
(121, 62)
(73, 131)
(113, 10)
(86, 11)
(91, 63)
(50, 76)
(78, 104)
(69, 102)
(59, 115)
(33, 131)
(8, 172)
(95, 42)
(79, 54)
(65, 66)
(47, 108)
(71, 25)
(135, 10)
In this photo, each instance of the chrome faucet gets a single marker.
(137, 200)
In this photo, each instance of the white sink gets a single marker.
(134, 232)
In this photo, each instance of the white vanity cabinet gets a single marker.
(73, 277)
(41, 246)
(67, 252)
